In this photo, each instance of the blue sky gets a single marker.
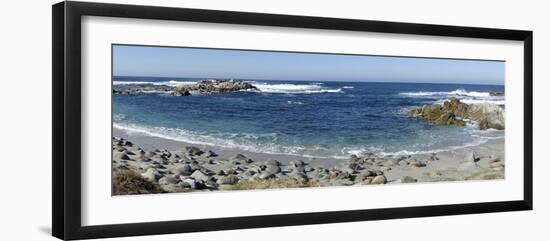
(238, 64)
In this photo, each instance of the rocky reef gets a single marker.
(204, 86)
(213, 86)
(454, 112)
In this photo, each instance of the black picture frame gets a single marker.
(66, 76)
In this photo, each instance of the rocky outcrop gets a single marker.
(213, 86)
(205, 86)
(496, 93)
(454, 112)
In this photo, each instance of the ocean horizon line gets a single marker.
(340, 81)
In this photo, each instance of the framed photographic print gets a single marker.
(170, 120)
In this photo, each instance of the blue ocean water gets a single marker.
(305, 118)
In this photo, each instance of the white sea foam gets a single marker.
(168, 83)
(479, 101)
(458, 92)
(313, 88)
(294, 102)
(450, 148)
(468, 97)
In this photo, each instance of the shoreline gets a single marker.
(148, 141)
(231, 169)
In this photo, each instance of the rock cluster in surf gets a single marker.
(454, 112)
(204, 86)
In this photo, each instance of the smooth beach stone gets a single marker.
(173, 187)
(299, 176)
(379, 180)
(241, 158)
(151, 174)
(210, 153)
(238, 169)
(368, 173)
(297, 163)
(207, 171)
(220, 173)
(192, 150)
(229, 179)
(273, 162)
(391, 162)
(299, 169)
(272, 169)
(119, 148)
(346, 170)
(403, 163)
(143, 159)
(198, 175)
(417, 163)
(184, 169)
(211, 184)
(167, 180)
(122, 156)
(150, 154)
(231, 172)
(408, 179)
(194, 184)
(174, 159)
(250, 173)
(265, 175)
(159, 159)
